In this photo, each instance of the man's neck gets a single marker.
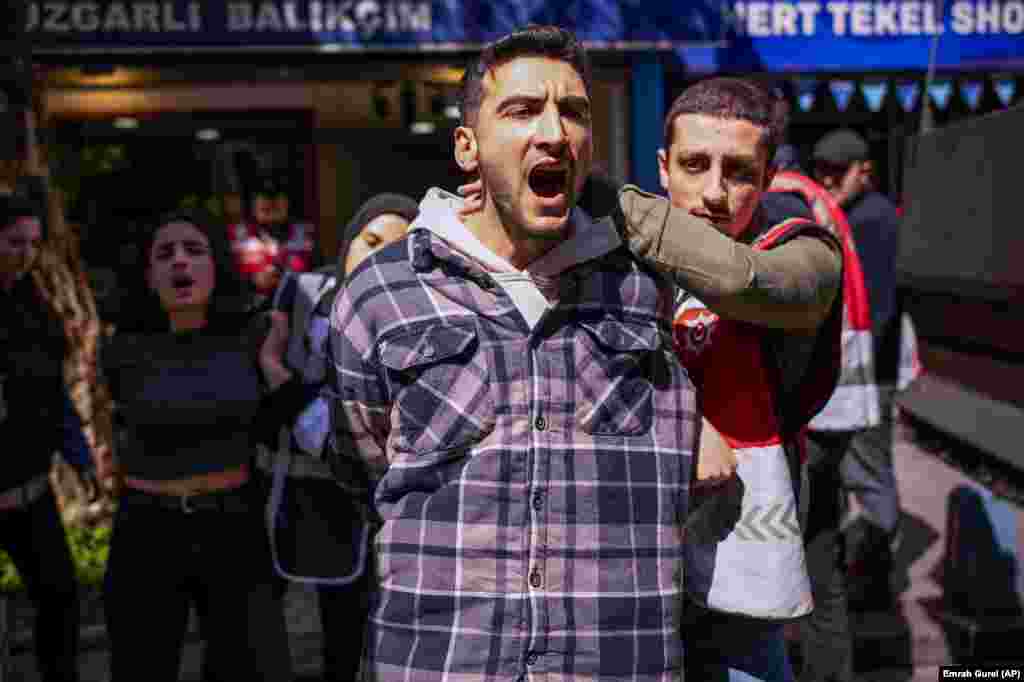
(509, 243)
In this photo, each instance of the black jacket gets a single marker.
(875, 224)
(32, 347)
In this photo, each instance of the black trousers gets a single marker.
(34, 538)
(163, 561)
(825, 634)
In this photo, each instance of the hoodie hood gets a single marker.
(438, 213)
(532, 290)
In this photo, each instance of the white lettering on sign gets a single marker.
(887, 18)
(239, 16)
(366, 17)
(268, 19)
(879, 18)
(765, 19)
(114, 17)
(984, 18)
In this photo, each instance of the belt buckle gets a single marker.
(185, 506)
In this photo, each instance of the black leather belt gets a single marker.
(231, 500)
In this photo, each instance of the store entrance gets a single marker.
(118, 174)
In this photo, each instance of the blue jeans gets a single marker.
(722, 647)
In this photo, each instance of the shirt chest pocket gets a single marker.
(615, 363)
(440, 389)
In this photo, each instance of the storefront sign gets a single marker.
(866, 35)
(736, 35)
(338, 25)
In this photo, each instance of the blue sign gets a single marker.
(78, 26)
(866, 35)
(709, 35)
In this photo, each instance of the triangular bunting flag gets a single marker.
(941, 91)
(874, 94)
(1006, 88)
(806, 93)
(842, 93)
(971, 91)
(907, 93)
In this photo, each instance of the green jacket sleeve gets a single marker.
(790, 287)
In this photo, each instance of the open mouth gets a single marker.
(548, 182)
(180, 282)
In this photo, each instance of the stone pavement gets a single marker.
(905, 645)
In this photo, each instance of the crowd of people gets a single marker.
(542, 427)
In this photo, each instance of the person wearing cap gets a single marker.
(319, 527)
(36, 419)
(842, 164)
(383, 219)
(269, 242)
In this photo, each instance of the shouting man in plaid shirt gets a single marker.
(506, 381)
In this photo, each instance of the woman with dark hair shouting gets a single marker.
(197, 381)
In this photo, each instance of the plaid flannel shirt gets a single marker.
(531, 484)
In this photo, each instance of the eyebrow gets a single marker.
(742, 159)
(575, 101)
(186, 242)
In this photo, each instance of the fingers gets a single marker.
(472, 192)
(471, 188)
(714, 480)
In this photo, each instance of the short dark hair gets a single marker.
(531, 41)
(729, 98)
(229, 301)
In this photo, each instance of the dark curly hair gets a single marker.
(141, 311)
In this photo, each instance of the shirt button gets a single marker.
(540, 423)
(535, 580)
(538, 500)
(531, 658)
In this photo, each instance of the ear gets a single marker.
(663, 168)
(467, 152)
